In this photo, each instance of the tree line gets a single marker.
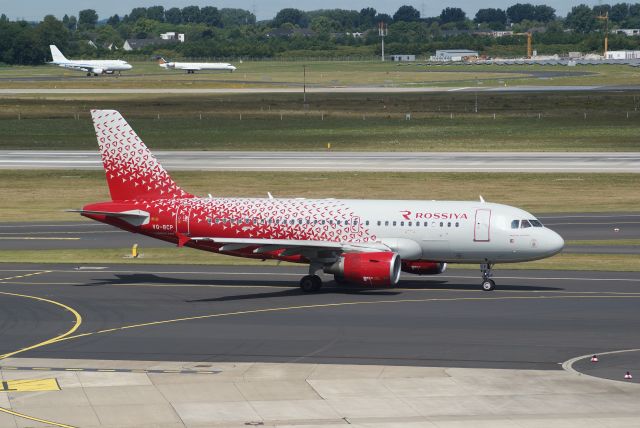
(232, 32)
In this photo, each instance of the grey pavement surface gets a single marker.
(86, 234)
(210, 314)
(611, 162)
(612, 365)
(311, 89)
(314, 396)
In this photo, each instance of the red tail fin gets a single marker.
(131, 169)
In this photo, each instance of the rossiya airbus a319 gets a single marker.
(365, 242)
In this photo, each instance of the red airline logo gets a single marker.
(435, 216)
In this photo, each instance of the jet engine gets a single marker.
(422, 267)
(97, 71)
(379, 269)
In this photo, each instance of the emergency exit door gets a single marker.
(482, 225)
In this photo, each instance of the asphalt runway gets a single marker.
(534, 320)
(319, 90)
(85, 234)
(609, 162)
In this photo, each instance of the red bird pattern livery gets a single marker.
(358, 241)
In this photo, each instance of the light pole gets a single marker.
(383, 30)
(304, 83)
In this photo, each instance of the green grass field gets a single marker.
(44, 195)
(354, 122)
(275, 73)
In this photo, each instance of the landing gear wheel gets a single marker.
(310, 283)
(488, 285)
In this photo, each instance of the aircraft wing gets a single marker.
(190, 68)
(292, 245)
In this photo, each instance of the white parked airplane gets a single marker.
(366, 242)
(192, 67)
(90, 66)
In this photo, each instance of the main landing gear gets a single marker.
(487, 283)
(312, 282)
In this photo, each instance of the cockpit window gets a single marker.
(524, 224)
(535, 223)
(515, 224)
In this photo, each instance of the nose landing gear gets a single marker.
(487, 283)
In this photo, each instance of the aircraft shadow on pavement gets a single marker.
(448, 285)
(291, 286)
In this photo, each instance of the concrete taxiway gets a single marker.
(85, 234)
(186, 346)
(609, 162)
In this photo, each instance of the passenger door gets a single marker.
(182, 220)
(482, 229)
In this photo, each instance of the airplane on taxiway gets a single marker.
(192, 67)
(90, 66)
(366, 242)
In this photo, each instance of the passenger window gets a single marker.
(402, 223)
(535, 223)
(386, 223)
(441, 224)
(293, 221)
(417, 223)
(408, 223)
(515, 224)
(457, 224)
(322, 222)
(394, 223)
(366, 223)
(379, 223)
(524, 224)
(449, 224)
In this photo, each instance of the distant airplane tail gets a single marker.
(56, 54)
(132, 172)
(163, 62)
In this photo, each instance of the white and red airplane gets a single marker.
(366, 242)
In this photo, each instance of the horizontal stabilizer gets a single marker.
(133, 217)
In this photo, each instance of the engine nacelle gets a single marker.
(97, 71)
(422, 267)
(379, 269)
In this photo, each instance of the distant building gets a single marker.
(453, 55)
(135, 44)
(623, 55)
(172, 35)
(628, 31)
(402, 58)
(494, 34)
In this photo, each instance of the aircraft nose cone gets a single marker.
(553, 243)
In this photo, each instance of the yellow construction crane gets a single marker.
(529, 42)
(605, 18)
